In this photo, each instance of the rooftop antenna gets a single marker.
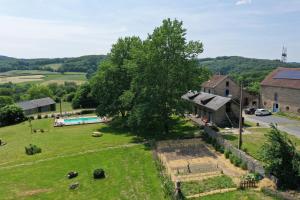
(284, 54)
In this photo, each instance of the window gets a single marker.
(227, 83)
(287, 108)
(226, 92)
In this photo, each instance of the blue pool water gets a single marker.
(82, 120)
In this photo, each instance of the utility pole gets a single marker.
(30, 125)
(241, 117)
(60, 107)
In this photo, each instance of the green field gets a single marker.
(130, 169)
(39, 76)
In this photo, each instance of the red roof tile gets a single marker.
(270, 80)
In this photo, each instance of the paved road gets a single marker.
(284, 124)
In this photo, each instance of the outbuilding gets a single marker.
(37, 105)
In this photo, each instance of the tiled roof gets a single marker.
(273, 80)
(27, 105)
(214, 81)
(210, 101)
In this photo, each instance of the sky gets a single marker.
(69, 28)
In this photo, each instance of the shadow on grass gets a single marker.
(230, 137)
(180, 129)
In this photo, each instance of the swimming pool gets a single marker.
(77, 121)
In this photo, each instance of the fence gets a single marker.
(252, 164)
(247, 184)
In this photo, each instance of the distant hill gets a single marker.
(87, 64)
(248, 69)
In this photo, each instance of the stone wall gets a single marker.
(288, 99)
(252, 164)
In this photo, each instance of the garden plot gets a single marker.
(193, 159)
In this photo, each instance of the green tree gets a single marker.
(281, 158)
(83, 97)
(112, 83)
(39, 91)
(11, 114)
(167, 68)
(5, 100)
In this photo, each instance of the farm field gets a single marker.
(130, 169)
(38, 76)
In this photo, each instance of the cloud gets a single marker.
(243, 2)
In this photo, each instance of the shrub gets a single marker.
(244, 166)
(227, 153)
(31, 117)
(53, 115)
(45, 116)
(99, 173)
(34, 130)
(83, 112)
(39, 116)
(231, 158)
(237, 161)
(42, 130)
(32, 149)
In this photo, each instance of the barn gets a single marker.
(280, 90)
(37, 105)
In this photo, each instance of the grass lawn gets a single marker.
(130, 172)
(252, 142)
(291, 116)
(238, 195)
(210, 184)
(130, 169)
(55, 141)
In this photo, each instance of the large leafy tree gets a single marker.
(11, 114)
(281, 158)
(167, 68)
(38, 91)
(5, 100)
(83, 97)
(112, 83)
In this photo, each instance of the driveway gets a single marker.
(284, 124)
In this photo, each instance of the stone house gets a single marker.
(214, 109)
(37, 105)
(223, 85)
(280, 90)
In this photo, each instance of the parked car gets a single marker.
(262, 112)
(250, 111)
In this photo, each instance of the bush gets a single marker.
(227, 153)
(45, 116)
(32, 149)
(237, 161)
(83, 112)
(39, 116)
(99, 173)
(42, 130)
(53, 115)
(244, 166)
(34, 130)
(231, 158)
(31, 117)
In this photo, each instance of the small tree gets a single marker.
(281, 158)
(11, 114)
